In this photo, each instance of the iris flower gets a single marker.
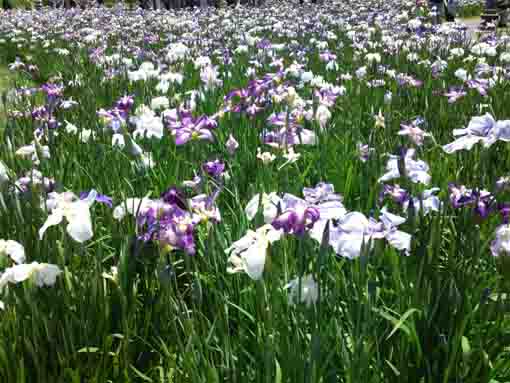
(13, 250)
(355, 230)
(74, 210)
(248, 254)
(416, 170)
(43, 274)
(484, 129)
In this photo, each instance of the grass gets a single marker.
(125, 310)
(5, 77)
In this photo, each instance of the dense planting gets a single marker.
(315, 193)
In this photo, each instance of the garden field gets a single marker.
(284, 193)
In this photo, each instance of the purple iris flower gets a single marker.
(125, 103)
(264, 44)
(174, 195)
(504, 210)
(113, 118)
(176, 230)
(396, 193)
(186, 128)
(297, 218)
(454, 94)
(213, 168)
(480, 200)
(53, 91)
(481, 85)
(101, 198)
(322, 192)
(40, 113)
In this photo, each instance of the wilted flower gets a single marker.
(379, 120)
(291, 156)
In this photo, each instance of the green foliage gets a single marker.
(438, 315)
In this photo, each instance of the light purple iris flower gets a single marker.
(364, 151)
(416, 170)
(484, 129)
(396, 193)
(354, 231)
(501, 244)
(428, 201)
(328, 203)
(289, 136)
(191, 129)
(414, 132)
(101, 198)
(231, 144)
(455, 94)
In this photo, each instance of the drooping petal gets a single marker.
(53, 219)
(347, 244)
(462, 143)
(79, 222)
(399, 240)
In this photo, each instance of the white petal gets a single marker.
(391, 220)
(399, 240)
(15, 251)
(252, 207)
(255, 258)
(347, 244)
(354, 222)
(53, 219)
(21, 272)
(79, 225)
